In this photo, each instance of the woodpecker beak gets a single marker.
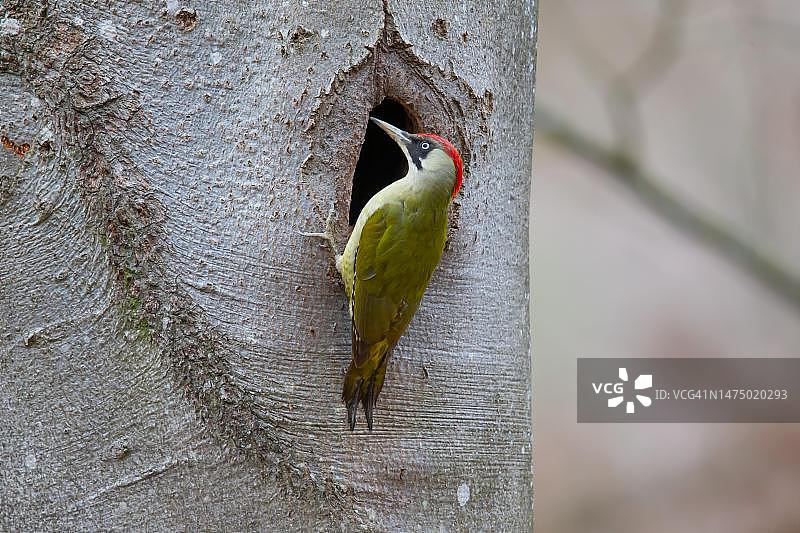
(402, 138)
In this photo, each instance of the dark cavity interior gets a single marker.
(381, 161)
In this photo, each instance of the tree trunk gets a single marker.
(172, 349)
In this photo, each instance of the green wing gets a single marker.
(397, 253)
(399, 247)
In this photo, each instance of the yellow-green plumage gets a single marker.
(395, 246)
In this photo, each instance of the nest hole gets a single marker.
(381, 161)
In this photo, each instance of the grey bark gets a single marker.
(172, 350)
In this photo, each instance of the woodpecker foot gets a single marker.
(326, 234)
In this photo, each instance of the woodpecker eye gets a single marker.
(424, 146)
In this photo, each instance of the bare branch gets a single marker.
(646, 187)
(626, 87)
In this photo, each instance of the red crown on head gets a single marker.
(450, 150)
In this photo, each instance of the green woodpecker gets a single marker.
(395, 246)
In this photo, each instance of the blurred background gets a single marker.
(666, 214)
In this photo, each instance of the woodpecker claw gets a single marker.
(325, 234)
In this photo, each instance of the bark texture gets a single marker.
(172, 350)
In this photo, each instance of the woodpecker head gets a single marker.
(427, 152)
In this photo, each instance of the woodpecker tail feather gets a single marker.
(363, 385)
